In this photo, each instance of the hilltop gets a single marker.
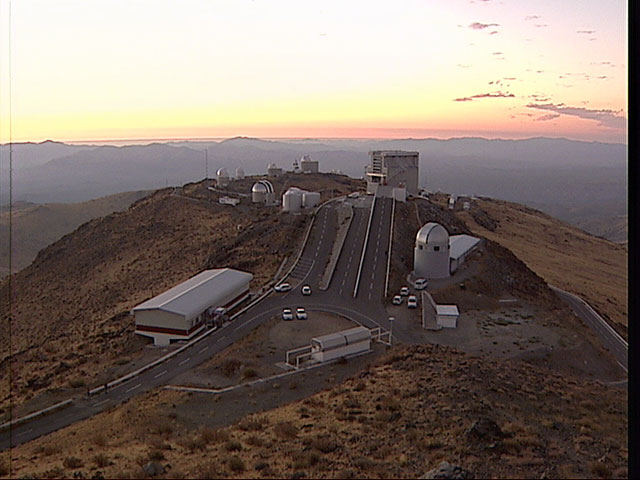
(71, 325)
(37, 226)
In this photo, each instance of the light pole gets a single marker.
(391, 320)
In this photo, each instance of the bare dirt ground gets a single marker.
(257, 355)
(396, 418)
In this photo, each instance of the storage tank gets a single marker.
(223, 177)
(310, 199)
(239, 173)
(258, 193)
(292, 200)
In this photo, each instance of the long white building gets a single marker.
(181, 312)
(438, 255)
(394, 168)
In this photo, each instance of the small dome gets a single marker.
(239, 172)
(272, 165)
(432, 233)
(305, 158)
(259, 187)
(222, 172)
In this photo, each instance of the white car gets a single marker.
(397, 300)
(354, 195)
(404, 291)
(301, 314)
(306, 290)
(287, 314)
(283, 287)
(412, 302)
(421, 284)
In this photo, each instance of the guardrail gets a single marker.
(39, 413)
(364, 248)
(390, 249)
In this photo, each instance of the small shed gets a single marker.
(340, 344)
(447, 316)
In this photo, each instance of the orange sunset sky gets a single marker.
(100, 70)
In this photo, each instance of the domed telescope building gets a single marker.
(431, 252)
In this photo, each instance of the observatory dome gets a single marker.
(222, 173)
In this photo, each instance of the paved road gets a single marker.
(367, 309)
(609, 337)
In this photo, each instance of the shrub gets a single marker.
(250, 425)
(195, 443)
(261, 466)
(236, 464)
(162, 428)
(101, 460)
(255, 441)
(363, 463)
(76, 383)
(50, 449)
(72, 462)
(324, 445)
(209, 435)
(601, 470)
(156, 455)
(249, 373)
(232, 446)
(211, 470)
(286, 430)
(230, 367)
(99, 439)
(4, 468)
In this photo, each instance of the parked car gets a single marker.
(306, 290)
(283, 287)
(397, 300)
(301, 313)
(287, 314)
(421, 283)
(412, 302)
(404, 291)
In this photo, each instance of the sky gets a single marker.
(98, 70)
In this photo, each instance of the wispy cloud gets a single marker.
(586, 32)
(482, 26)
(532, 17)
(509, 78)
(462, 65)
(541, 25)
(484, 95)
(604, 117)
(494, 32)
(496, 53)
(547, 117)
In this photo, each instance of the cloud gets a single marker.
(541, 25)
(604, 117)
(532, 17)
(493, 32)
(509, 78)
(484, 95)
(547, 117)
(482, 26)
(496, 53)
(586, 32)
(461, 65)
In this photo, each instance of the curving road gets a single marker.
(367, 309)
(618, 347)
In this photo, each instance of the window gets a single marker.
(436, 249)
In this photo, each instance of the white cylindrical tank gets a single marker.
(431, 252)
(239, 173)
(310, 199)
(258, 193)
(292, 200)
(222, 176)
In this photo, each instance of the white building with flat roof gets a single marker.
(460, 246)
(181, 312)
(395, 168)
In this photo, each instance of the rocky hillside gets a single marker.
(400, 418)
(70, 306)
(36, 226)
(564, 256)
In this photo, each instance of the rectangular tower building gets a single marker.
(394, 168)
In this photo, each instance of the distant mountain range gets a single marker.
(573, 180)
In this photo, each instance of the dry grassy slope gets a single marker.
(594, 268)
(36, 226)
(398, 419)
(71, 303)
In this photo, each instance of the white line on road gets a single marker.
(101, 402)
(203, 349)
(133, 388)
(185, 360)
(25, 432)
(160, 374)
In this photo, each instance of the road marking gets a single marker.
(25, 432)
(184, 361)
(101, 402)
(203, 349)
(160, 374)
(133, 388)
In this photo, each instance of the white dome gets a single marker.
(222, 173)
(272, 165)
(239, 172)
(432, 233)
(305, 158)
(259, 188)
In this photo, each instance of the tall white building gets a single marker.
(394, 168)
(307, 165)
